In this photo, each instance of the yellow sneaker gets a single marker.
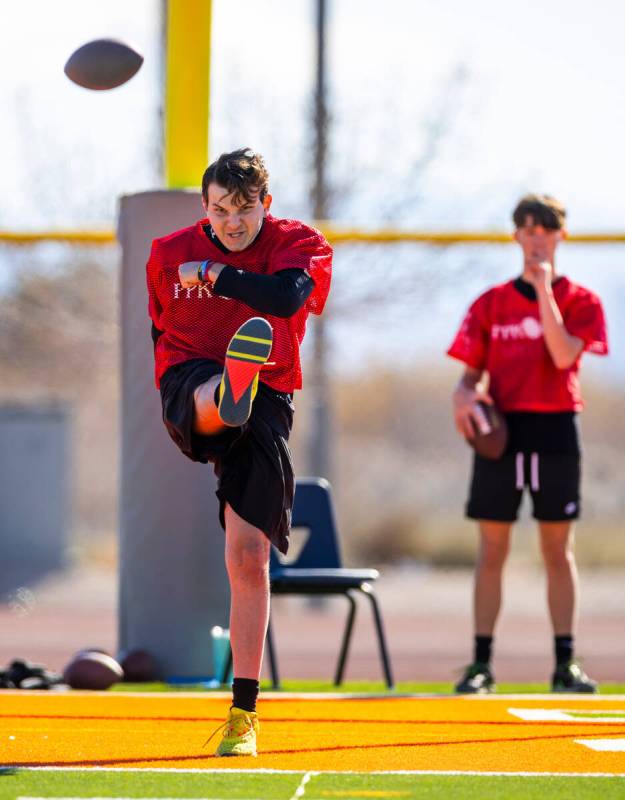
(239, 735)
(247, 353)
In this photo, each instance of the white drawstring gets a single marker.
(534, 478)
(520, 477)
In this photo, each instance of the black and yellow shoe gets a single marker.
(247, 352)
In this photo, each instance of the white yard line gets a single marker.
(604, 745)
(415, 772)
(575, 716)
(301, 789)
(560, 697)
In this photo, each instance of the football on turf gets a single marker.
(92, 670)
(103, 64)
(139, 666)
(492, 443)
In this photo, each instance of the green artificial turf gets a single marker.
(272, 786)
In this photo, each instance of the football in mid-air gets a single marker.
(103, 64)
(491, 440)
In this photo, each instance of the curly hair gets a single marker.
(242, 173)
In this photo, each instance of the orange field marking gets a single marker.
(493, 734)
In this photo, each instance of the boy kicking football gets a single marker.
(229, 298)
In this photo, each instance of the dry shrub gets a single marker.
(400, 470)
(59, 342)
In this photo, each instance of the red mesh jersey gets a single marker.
(199, 324)
(503, 335)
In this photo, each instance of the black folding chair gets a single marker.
(318, 570)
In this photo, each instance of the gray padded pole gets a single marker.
(173, 584)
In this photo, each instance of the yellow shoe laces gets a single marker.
(230, 724)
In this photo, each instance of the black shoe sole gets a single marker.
(251, 344)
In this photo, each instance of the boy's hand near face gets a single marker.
(539, 273)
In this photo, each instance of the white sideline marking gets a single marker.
(269, 695)
(301, 789)
(604, 745)
(577, 715)
(563, 697)
(414, 772)
(540, 714)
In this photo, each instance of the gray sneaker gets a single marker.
(477, 679)
(572, 678)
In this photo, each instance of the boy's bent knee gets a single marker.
(247, 563)
(206, 419)
(247, 550)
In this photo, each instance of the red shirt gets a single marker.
(199, 324)
(502, 334)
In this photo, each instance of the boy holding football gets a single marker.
(527, 336)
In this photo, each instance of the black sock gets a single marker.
(564, 646)
(245, 693)
(483, 647)
(216, 395)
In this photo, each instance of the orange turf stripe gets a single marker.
(84, 730)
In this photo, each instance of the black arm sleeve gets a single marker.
(281, 294)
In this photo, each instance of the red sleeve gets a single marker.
(307, 249)
(153, 268)
(471, 342)
(585, 318)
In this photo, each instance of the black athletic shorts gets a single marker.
(252, 463)
(552, 480)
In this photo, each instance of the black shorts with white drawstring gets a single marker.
(552, 481)
(542, 458)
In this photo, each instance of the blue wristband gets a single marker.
(203, 270)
